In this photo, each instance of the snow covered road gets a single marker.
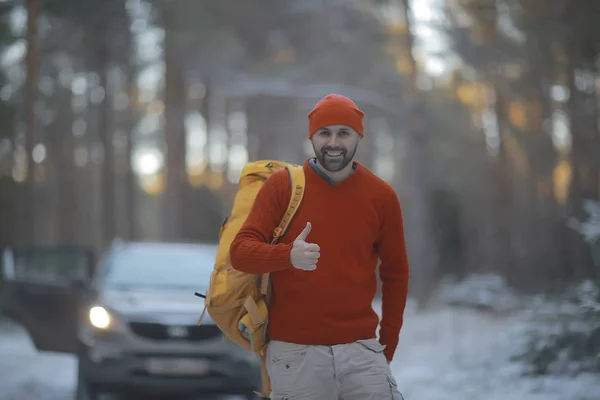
(444, 354)
(26, 374)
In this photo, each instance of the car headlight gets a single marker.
(99, 317)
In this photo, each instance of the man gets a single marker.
(322, 327)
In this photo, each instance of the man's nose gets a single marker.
(332, 141)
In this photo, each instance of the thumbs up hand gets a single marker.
(304, 255)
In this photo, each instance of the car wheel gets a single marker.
(84, 391)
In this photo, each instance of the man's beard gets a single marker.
(335, 164)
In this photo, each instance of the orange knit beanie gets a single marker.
(335, 109)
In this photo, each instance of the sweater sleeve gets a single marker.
(394, 274)
(251, 250)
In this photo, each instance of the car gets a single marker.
(131, 320)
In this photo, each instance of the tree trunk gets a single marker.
(584, 179)
(66, 171)
(175, 110)
(33, 7)
(424, 257)
(106, 134)
(500, 249)
(130, 181)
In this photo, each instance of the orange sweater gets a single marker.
(354, 222)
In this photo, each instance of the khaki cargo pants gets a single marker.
(354, 371)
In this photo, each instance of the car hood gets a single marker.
(154, 305)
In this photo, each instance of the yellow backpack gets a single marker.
(236, 301)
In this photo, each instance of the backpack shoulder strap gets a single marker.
(297, 183)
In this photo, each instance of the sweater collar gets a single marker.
(312, 162)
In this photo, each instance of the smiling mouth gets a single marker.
(333, 154)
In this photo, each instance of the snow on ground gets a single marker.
(462, 347)
(464, 354)
(26, 374)
(446, 353)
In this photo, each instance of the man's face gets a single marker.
(335, 146)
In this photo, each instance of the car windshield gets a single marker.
(161, 267)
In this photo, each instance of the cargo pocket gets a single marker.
(287, 356)
(286, 367)
(382, 366)
(372, 344)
